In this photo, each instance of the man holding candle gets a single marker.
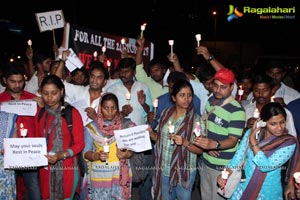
(262, 93)
(14, 79)
(225, 120)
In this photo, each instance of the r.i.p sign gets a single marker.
(50, 20)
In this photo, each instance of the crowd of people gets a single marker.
(204, 123)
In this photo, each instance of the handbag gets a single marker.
(138, 165)
(237, 176)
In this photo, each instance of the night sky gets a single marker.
(165, 20)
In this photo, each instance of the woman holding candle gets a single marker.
(61, 178)
(265, 156)
(170, 183)
(110, 173)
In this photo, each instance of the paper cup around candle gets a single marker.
(122, 41)
(106, 148)
(225, 174)
(171, 42)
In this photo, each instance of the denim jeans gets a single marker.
(177, 192)
(32, 184)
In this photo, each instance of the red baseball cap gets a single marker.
(225, 76)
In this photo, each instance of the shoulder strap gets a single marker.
(41, 113)
(67, 114)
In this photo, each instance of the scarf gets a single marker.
(179, 171)
(273, 143)
(56, 172)
(108, 130)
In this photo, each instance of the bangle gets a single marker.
(65, 156)
(256, 144)
(62, 61)
(140, 48)
(210, 58)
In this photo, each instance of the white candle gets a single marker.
(95, 55)
(108, 63)
(297, 177)
(198, 38)
(123, 41)
(155, 103)
(29, 42)
(225, 174)
(171, 127)
(241, 91)
(143, 27)
(256, 113)
(171, 43)
(103, 49)
(23, 131)
(105, 146)
(128, 96)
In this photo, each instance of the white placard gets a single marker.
(136, 138)
(72, 62)
(24, 153)
(48, 21)
(81, 105)
(20, 107)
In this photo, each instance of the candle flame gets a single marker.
(171, 42)
(21, 125)
(29, 42)
(122, 41)
(95, 54)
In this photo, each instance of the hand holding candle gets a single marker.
(143, 27)
(256, 113)
(198, 38)
(297, 177)
(123, 43)
(23, 131)
(171, 130)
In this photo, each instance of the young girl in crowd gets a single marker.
(265, 156)
(110, 173)
(175, 155)
(60, 179)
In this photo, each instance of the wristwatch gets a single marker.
(218, 145)
(211, 57)
(65, 156)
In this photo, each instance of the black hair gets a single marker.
(99, 66)
(127, 62)
(40, 55)
(263, 78)
(109, 96)
(53, 79)
(178, 85)
(270, 110)
(13, 68)
(175, 76)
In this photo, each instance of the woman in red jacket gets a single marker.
(61, 178)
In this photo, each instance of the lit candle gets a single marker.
(240, 93)
(171, 130)
(197, 129)
(171, 43)
(23, 131)
(128, 96)
(106, 148)
(95, 55)
(123, 43)
(103, 49)
(29, 42)
(272, 98)
(198, 38)
(256, 113)
(143, 27)
(155, 105)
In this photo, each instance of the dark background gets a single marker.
(166, 19)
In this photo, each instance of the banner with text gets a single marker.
(86, 41)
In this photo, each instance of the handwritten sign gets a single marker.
(136, 138)
(20, 107)
(23, 153)
(48, 21)
(73, 62)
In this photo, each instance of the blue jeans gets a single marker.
(177, 192)
(32, 184)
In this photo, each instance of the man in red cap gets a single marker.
(225, 120)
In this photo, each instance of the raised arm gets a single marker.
(202, 50)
